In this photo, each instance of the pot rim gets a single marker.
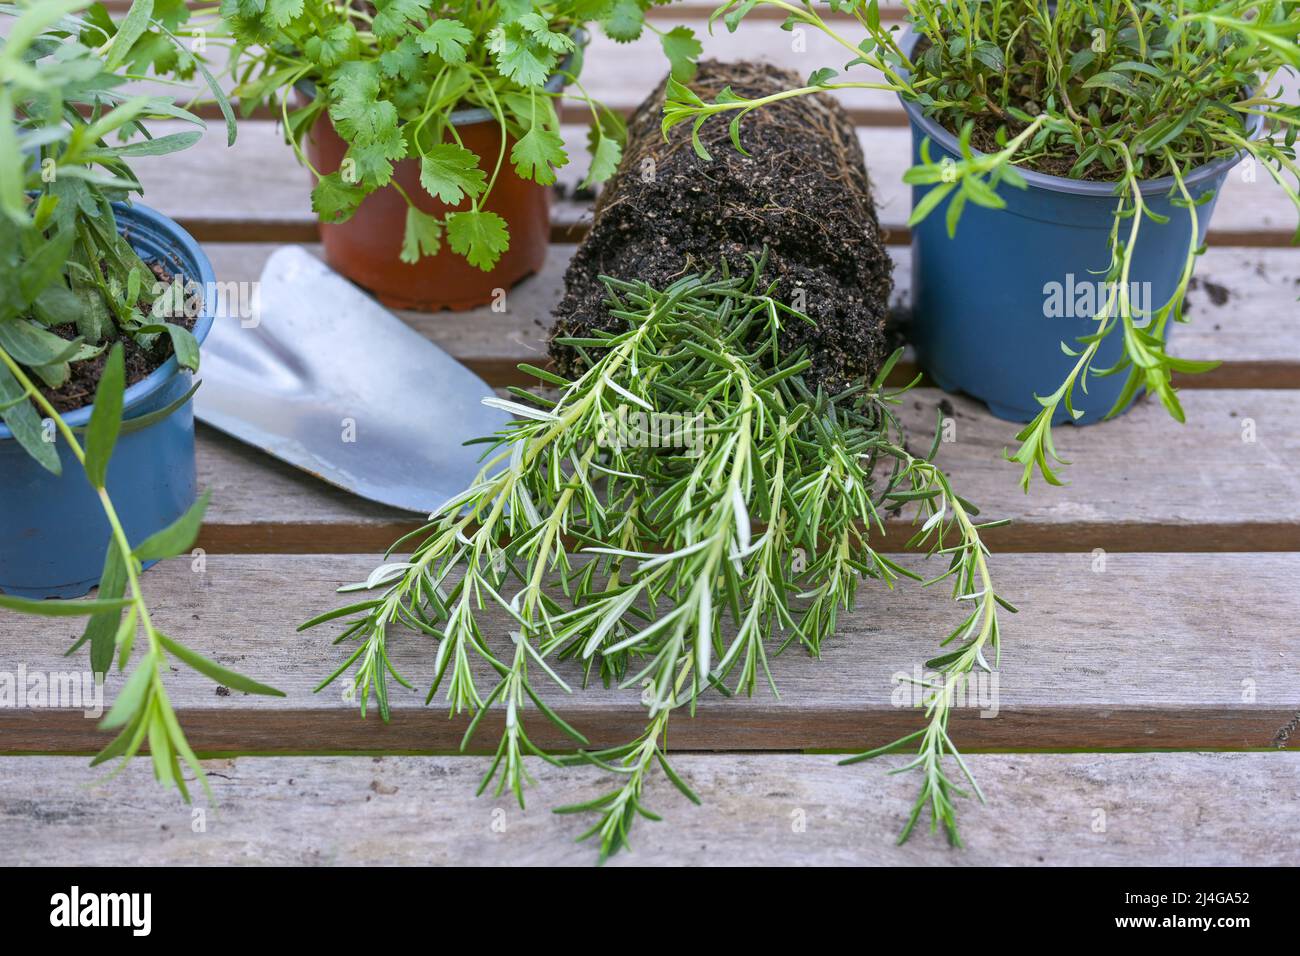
(1062, 184)
(129, 214)
(480, 114)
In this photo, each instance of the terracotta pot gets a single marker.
(367, 247)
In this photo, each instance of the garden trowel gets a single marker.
(323, 377)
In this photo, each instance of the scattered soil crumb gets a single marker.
(1218, 294)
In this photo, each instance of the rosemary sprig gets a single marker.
(722, 512)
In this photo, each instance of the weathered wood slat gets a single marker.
(1150, 652)
(256, 192)
(1112, 651)
(1138, 483)
(1075, 809)
(1233, 289)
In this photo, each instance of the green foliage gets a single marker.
(64, 263)
(119, 615)
(1113, 91)
(639, 559)
(67, 133)
(450, 172)
(478, 235)
(392, 81)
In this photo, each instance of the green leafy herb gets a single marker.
(1118, 92)
(391, 82)
(643, 561)
(64, 261)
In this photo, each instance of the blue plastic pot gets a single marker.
(53, 533)
(987, 316)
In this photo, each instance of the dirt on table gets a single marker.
(802, 193)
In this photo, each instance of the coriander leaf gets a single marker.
(356, 83)
(363, 123)
(536, 152)
(606, 154)
(478, 235)
(423, 236)
(284, 12)
(526, 107)
(446, 38)
(519, 57)
(391, 20)
(409, 97)
(682, 49)
(402, 60)
(538, 27)
(335, 200)
(332, 48)
(373, 159)
(170, 13)
(450, 172)
(624, 22)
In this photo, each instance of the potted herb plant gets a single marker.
(1115, 125)
(431, 128)
(103, 307)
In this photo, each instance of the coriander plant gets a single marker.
(1106, 90)
(676, 567)
(72, 290)
(391, 74)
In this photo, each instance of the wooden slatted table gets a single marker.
(1148, 706)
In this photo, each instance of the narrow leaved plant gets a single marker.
(675, 557)
(67, 135)
(142, 713)
(1111, 90)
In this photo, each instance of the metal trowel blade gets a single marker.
(331, 382)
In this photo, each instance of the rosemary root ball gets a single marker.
(802, 193)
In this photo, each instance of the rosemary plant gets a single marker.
(675, 558)
(65, 266)
(1107, 90)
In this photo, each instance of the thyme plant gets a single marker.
(391, 74)
(1106, 90)
(64, 266)
(677, 566)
